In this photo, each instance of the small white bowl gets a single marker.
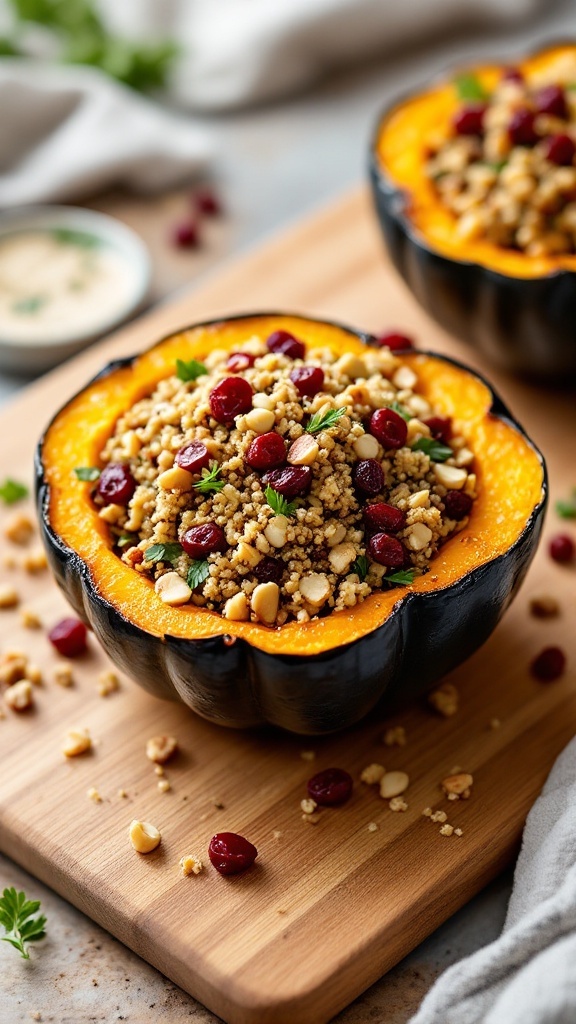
(32, 355)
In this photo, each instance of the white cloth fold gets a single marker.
(67, 132)
(528, 975)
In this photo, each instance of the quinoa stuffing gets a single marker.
(508, 169)
(280, 482)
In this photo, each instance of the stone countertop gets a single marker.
(272, 165)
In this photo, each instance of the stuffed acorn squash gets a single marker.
(474, 181)
(171, 543)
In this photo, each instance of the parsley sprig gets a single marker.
(401, 411)
(190, 370)
(360, 567)
(437, 451)
(87, 472)
(403, 576)
(469, 87)
(567, 508)
(322, 421)
(163, 552)
(209, 480)
(17, 917)
(278, 502)
(11, 491)
(197, 573)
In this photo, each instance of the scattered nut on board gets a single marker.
(445, 700)
(161, 748)
(544, 606)
(62, 673)
(35, 561)
(308, 806)
(77, 742)
(108, 682)
(457, 787)
(395, 737)
(397, 803)
(144, 836)
(393, 784)
(19, 528)
(191, 864)
(19, 696)
(29, 619)
(372, 774)
(9, 596)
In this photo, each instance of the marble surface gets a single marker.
(272, 165)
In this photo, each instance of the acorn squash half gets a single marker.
(519, 310)
(325, 674)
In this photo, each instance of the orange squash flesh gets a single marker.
(509, 471)
(402, 152)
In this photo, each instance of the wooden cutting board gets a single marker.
(328, 908)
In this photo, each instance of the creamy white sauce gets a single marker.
(60, 284)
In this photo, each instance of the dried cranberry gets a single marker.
(207, 202)
(368, 476)
(470, 119)
(521, 128)
(562, 548)
(68, 637)
(559, 149)
(512, 75)
(551, 100)
(230, 853)
(266, 451)
(383, 518)
(440, 427)
(331, 787)
(395, 342)
(238, 361)
(200, 541)
(389, 428)
(308, 380)
(269, 570)
(286, 344)
(457, 505)
(116, 484)
(291, 482)
(193, 457)
(386, 550)
(186, 235)
(549, 664)
(231, 397)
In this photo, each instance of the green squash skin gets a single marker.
(231, 683)
(523, 325)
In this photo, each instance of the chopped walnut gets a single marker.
(440, 816)
(62, 673)
(372, 774)
(77, 742)
(308, 806)
(29, 619)
(19, 528)
(457, 787)
(445, 700)
(108, 683)
(161, 748)
(34, 674)
(191, 864)
(446, 830)
(395, 737)
(19, 696)
(13, 667)
(397, 804)
(9, 596)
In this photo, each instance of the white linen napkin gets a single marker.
(528, 975)
(67, 132)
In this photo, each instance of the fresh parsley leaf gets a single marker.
(31, 304)
(11, 491)
(82, 239)
(567, 509)
(360, 567)
(437, 451)
(403, 576)
(126, 540)
(396, 407)
(18, 920)
(190, 370)
(163, 553)
(278, 502)
(497, 165)
(209, 480)
(87, 472)
(321, 421)
(197, 573)
(468, 87)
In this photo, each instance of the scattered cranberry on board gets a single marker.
(562, 548)
(331, 787)
(186, 235)
(69, 637)
(549, 664)
(231, 854)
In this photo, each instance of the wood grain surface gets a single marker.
(327, 908)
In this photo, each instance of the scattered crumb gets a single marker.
(395, 737)
(35, 561)
(372, 827)
(29, 619)
(457, 787)
(393, 784)
(372, 774)
(35, 1015)
(19, 696)
(445, 700)
(397, 804)
(281, 910)
(13, 666)
(9, 596)
(94, 795)
(108, 682)
(495, 723)
(161, 748)
(62, 673)
(191, 864)
(446, 830)
(77, 741)
(312, 819)
(34, 674)
(308, 806)
(122, 794)
(218, 805)
(427, 812)
(276, 834)
(544, 607)
(307, 755)
(458, 832)
(158, 769)
(19, 528)
(440, 816)
(163, 785)
(9, 561)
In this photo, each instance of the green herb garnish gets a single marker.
(437, 451)
(18, 920)
(321, 421)
(360, 567)
(397, 408)
(163, 553)
(209, 480)
(278, 503)
(497, 165)
(567, 509)
(82, 239)
(403, 576)
(190, 370)
(32, 304)
(87, 472)
(126, 540)
(11, 491)
(197, 573)
(468, 87)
